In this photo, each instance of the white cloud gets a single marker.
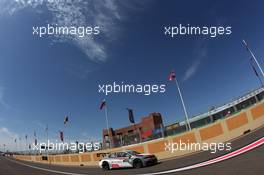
(6, 132)
(7, 137)
(200, 52)
(81, 71)
(2, 99)
(191, 70)
(103, 13)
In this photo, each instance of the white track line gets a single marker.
(202, 164)
(44, 169)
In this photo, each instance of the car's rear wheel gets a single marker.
(137, 163)
(105, 166)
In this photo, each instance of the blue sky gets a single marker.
(44, 79)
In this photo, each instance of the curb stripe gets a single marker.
(215, 160)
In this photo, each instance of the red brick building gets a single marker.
(134, 133)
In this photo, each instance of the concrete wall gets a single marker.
(220, 131)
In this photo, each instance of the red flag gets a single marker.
(103, 104)
(61, 136)
(172, 76)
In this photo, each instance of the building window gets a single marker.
(106, 137)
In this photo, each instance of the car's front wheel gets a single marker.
(105, 166)
(137, 163)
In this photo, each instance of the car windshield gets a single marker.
(133, 152)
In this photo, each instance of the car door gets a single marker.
(113, 161)
(124, 159)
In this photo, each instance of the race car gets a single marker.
(127, 159)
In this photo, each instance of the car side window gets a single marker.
(125, 155)
(119, 154)
(113, 155)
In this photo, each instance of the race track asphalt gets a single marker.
(251, 162)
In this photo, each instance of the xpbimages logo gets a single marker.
(145, 89)
(183, 146)
(185, 30)
(79, 31)
(61, 146)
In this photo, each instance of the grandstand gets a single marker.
(216, 113)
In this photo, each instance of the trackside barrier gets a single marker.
(221, 131)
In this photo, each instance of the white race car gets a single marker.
(127, 159)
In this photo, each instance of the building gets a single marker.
(150, 125)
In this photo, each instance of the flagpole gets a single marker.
(66, 120)
(47, 133)
(20, 144)
(64, 132)
(69, 131)
(26, 142)
(16, 145)
(35, 141)
(107, 125)
(187, 123)
(253, 56)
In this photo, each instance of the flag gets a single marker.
(61, 136)
(103, 104)
(130, 115)
(172, 76)
(66, 120)
(36, 141)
